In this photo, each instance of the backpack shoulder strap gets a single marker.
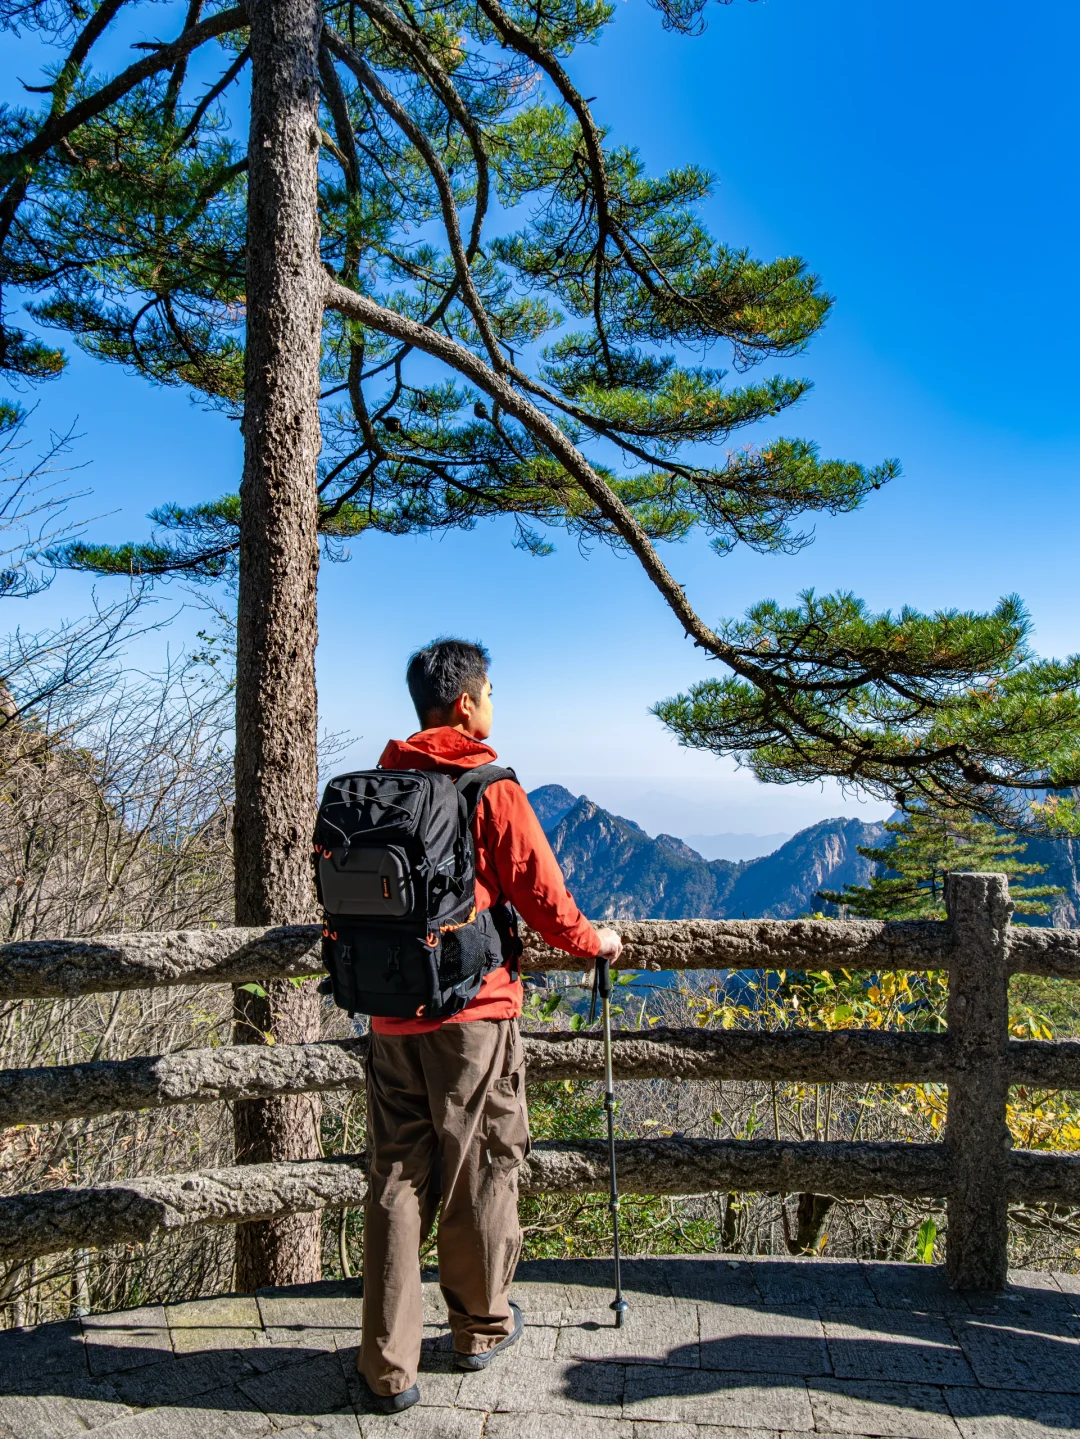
(472, 784)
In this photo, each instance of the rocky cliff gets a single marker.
(617, 871)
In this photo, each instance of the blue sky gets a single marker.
(922, 158)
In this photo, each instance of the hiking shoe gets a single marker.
(389, 1403)
(481, 1361)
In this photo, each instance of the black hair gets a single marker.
(443, 670)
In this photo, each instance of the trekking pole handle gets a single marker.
(603, 976)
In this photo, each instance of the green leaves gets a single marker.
(950, 706)
(927, 843)
(197, 541)
(925, 1241)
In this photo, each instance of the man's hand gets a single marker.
(610, 944)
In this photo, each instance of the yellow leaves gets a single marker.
(1043, 1121)
(927, 1101)
(1026, 1024)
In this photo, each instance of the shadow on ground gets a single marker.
(778, 1345)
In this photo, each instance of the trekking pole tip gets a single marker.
(620, 1307)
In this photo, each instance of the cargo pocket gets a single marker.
(506, 1123)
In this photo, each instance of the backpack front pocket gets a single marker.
(366, 880)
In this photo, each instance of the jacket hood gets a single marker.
(441, 748)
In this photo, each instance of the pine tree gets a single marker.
(509, 305)
(928, 843)
(507, 316)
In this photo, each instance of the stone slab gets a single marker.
(591, 1282)
(1069, 1284)
(715, 1281)
(552, 1387)
(1041, 1279)
(320, 1289)
(225, 1311)
(543, 1426)
(648, 1429)
(897, 1411)
(540, 1302)
(1025, 1308)
(707, 1396)
(654, 1333)
(1038, 1356)
(177, 1381)
(29, 1355)
(923, 1288)
(278, 1349)
(1021, 1304)
(201, 1340)
(308, 1307)
(126, 1339)
(345, 1425)
(780, 1339)
(300, 1391)
(310, 1339)
(222, 1414)
(812, 1281)
(60, 1408)
(910, 1348)
(1014, 1414)
(420, 1423)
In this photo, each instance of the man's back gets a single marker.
(514, 863)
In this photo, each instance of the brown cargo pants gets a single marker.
(447, 1123)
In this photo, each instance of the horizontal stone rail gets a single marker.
(64, 968)
(246, 1071)
(974, 1168)
(135, 1211)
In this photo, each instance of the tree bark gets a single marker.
(811, 1214)
(276, 770)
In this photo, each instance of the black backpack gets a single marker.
(395, 869)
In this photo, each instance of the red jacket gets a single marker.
(513, 862)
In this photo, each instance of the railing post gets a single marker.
(977, 1247)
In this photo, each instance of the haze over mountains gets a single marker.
(617, 871)
(735, 846)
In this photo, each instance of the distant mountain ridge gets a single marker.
(617, 871)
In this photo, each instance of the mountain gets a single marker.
(785, 883)
(617, 871)
(550, 802)
(1062, 860)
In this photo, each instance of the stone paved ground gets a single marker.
(712, 1349)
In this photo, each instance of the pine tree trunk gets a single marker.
(279, 559)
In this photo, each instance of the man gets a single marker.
(447, 1120)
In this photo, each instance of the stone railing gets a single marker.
(975, 1167)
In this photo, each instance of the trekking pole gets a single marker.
(602, 986)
